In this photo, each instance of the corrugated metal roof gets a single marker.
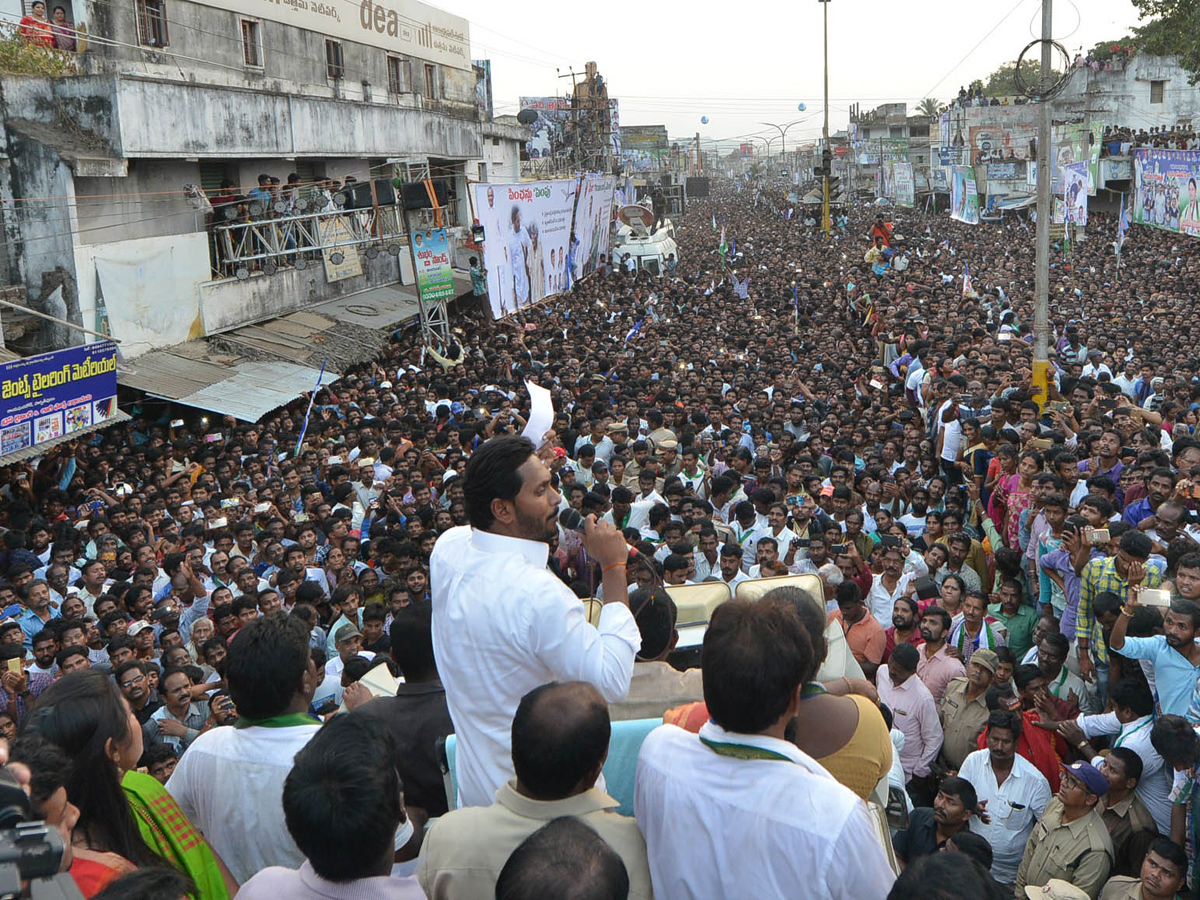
(254, 389)
(38, 449)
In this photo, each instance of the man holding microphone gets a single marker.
(503, 624)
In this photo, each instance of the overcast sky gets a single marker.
(670, 64)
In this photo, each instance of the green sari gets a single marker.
(166, 830)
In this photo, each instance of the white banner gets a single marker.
(526, 232)
(593, 224)
(904, 184)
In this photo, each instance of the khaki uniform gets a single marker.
(1124, 820)
(1122, 887)
(1080, 852)
(963, 720)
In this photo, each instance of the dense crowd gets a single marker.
(235, 651)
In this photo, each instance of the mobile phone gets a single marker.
(926, 588)
(837, 549)
(300, 517)
(876, 385)
(177, 423)
(1004, 337)
(213, 438)
(1108, 402)
(794, 500)
(14, 665)
(218, 523)
(1040, 444)
(802, 543)
(262, 507)
(889, 540)
(334, 461)
(1061, 406)
(1096, 535)
(1153, 596)
(230, 503)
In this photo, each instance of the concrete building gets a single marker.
(107, 175)
(887, 134)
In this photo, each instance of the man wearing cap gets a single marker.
(963, 709)
(1070, 841)
(668, 460)
(618, 433)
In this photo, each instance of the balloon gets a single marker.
(704, 120)
(801, 107)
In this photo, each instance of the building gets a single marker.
(109, 173)
(887, 135)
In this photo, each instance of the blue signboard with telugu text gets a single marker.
(52, 395)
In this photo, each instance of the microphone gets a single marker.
(571, 520)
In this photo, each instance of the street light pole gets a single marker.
(783, 130)
(825, 225)
(1041, 302)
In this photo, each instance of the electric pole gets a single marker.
(826, 167)
(1041, 302)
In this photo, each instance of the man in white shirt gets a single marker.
(738, 810)
(504, 624)
(1012, 792)
(229, 783)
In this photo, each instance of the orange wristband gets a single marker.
(613, 566)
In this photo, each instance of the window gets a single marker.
(399, 76)
(1157, 89)
(152, 23)
(335, 63)
(252, 43)
(431, 82)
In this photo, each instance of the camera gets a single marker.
(31, 852)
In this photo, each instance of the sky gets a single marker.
(741, 71)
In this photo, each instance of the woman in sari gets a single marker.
(1045, 748)
(126, 819)
(1012, 497)
(35, 28)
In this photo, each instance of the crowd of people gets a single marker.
(235, 653)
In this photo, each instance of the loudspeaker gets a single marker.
(697, 187)
(414, 195)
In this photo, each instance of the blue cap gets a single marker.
(1089, 775)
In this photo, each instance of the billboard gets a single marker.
(1075, 180)
(551, 133)
(1001, 141)
(409, 27)
(902, 180)
(435, 277)
(964, 196)
(526, 233)
(1076, 143)
(54, 394)
(593, 224)
(1165, 190)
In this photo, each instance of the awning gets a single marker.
(1015, 203)
(250, 371)
(38, 449)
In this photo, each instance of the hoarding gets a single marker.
(905, 187)
(1165, 190)
(551, 133)
(54, 394)
(408, 27)
(435, 277)
(964, 196)
(526, 236)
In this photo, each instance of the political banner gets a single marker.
(964, 196)
(905, 187)
(1002, 171)
(548, 135)
(1077, 143)
(593, 224)
(526, 240)
(1075, 180)
(54, 394)
(1165, 193)
(435, 277)
(339, 254)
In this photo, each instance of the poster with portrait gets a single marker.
(1075, 194)
(593, 223)
(1165, 190)
(527, 240)
(905, 186)
(964, 196)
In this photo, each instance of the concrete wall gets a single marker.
(206, 43)
(1123, 97)
(228, 304)
(145, 204)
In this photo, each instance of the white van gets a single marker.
(648, 246)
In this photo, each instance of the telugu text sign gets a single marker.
(51, 395)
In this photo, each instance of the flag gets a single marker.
(733, 247)
(308, 412)
(795, 300)
(714, 221)
(871, 316)
(1122, 225)
(968, 290)
(633, 332)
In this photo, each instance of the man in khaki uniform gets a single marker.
(1122, 809)
(1164, 875)
(963, 710)
(1070, 841)
(464, 850)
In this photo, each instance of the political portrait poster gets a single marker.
(964, 196)
(1165, 190)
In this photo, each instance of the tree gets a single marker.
(1173, 30)
(928, 107)
(1002, 82)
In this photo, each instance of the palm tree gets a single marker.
(928, 107)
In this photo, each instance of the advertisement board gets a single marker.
(964, 196)
(551, 133)
(54, 394)
(1165, 190)
(408, 27)
(902, 178)
(435, 277)
(526, 240)
(1006, 171)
